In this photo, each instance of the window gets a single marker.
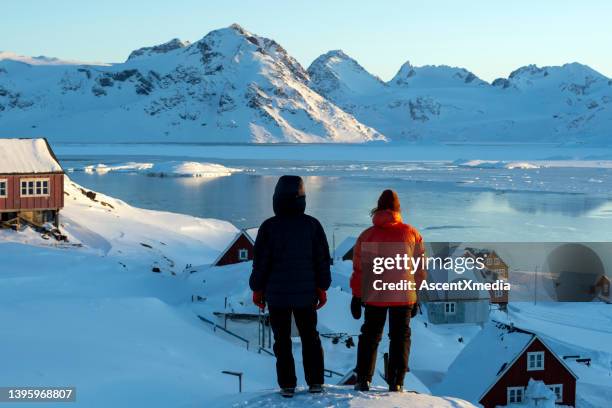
(243, 254)
(558, 390)
(535, 361)
(34, 187)
(3, 188)
(489, 261)
(449, 308)
(515, 395)
(499, 293)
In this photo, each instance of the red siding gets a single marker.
(517, 376)
(231, 254)
(14, 201)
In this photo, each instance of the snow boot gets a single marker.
(315, 388)
(362, 386)
(287, 392)
(396, 388)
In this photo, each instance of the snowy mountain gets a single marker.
(234, 86)
(231, 86)
(570, 103)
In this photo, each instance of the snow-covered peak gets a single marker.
(336, 72)
(573, 77)
(235, 45)
(168, 46)
(434, 76)
(402, 77)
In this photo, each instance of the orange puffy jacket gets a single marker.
(388, 227)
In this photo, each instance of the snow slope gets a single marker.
(93, 313)
(230, 86)
(562, 104)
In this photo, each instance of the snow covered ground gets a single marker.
(341, 397)
(93, 313)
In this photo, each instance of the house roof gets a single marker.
(250, 234)
(346, 245)
(485, 359)
(27, 156)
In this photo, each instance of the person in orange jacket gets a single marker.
(388, 236)
(291, 273)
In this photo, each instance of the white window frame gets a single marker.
(35, 187)
(557, 387)
(535, 366)
(243, 254)
(513, 394)
(450, 308)
(6, 186)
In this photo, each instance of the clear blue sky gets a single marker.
(488, 37)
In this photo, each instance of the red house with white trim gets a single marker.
(494, 369)
(31, 183)
(241, 249)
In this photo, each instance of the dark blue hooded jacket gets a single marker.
(291, 256)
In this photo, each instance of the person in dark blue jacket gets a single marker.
(291, 274)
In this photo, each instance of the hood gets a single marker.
(289, 196)
(385, 218)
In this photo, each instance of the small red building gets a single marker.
(239, 250)
(31, 183)
(494, 369)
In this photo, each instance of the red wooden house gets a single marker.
(239, 250)
(31, 182)
(494, 369)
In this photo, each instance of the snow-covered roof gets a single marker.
(26, 156)
(345, 246)
(252, 233)
(486, 358)
(482, 361)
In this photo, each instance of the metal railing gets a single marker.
(223, 329)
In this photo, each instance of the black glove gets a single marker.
(356, 307)
(414, 311)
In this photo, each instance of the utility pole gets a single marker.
(535, 287)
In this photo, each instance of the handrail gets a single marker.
(265, 351)
(216, 326)
(332, 372)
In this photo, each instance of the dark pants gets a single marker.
(312, 352)
(399, 345)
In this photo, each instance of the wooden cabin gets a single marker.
(344, 251)
(499, 363)
(495, 269)
(240, 249)
(31, 183)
